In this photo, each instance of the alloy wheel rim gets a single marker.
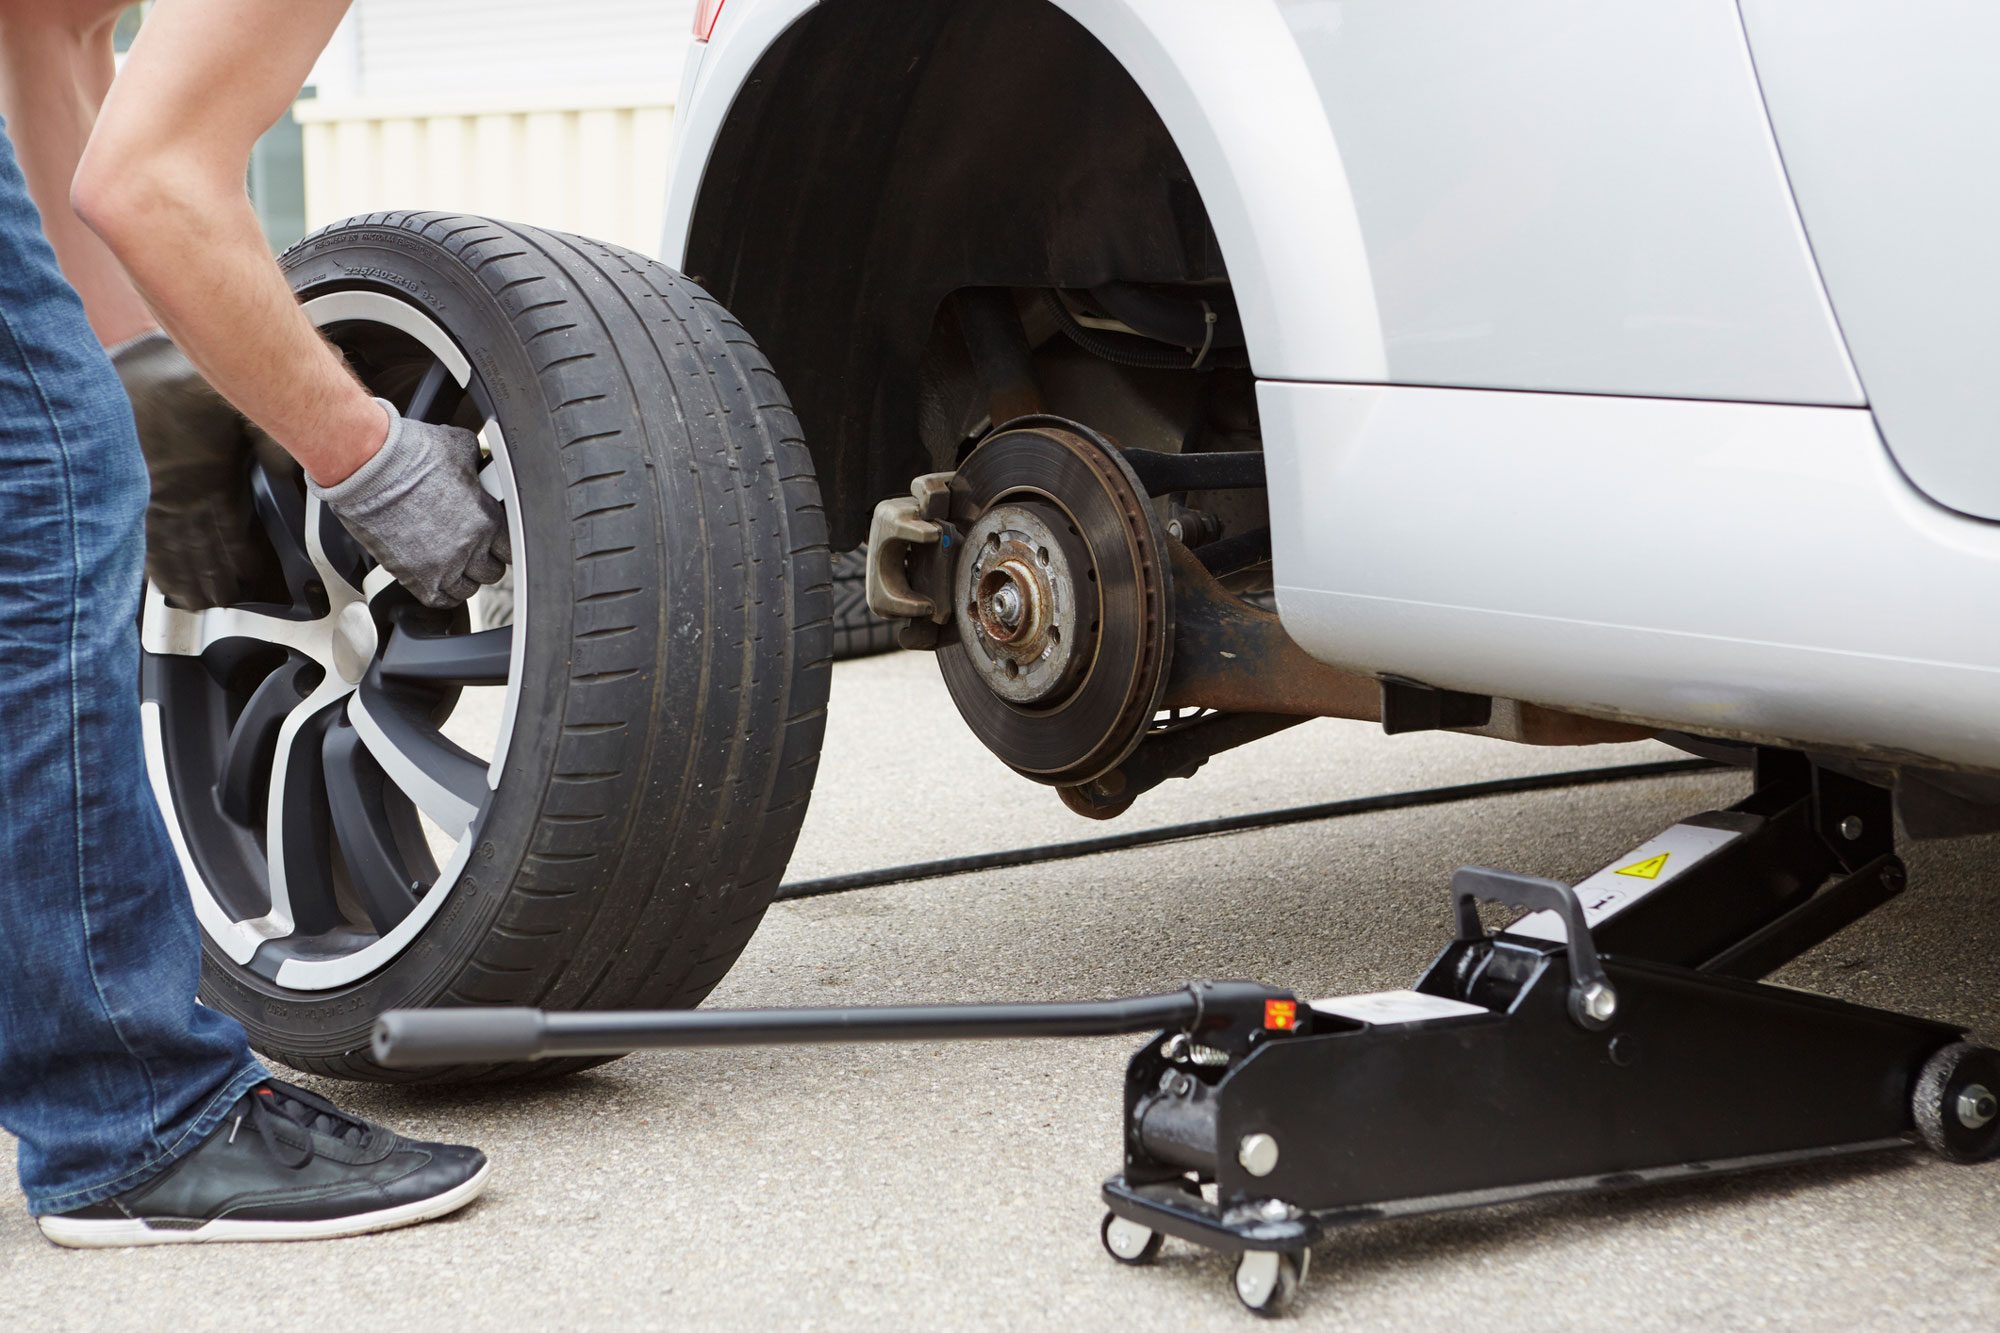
(325, 767)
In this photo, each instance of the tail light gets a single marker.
(706, 12)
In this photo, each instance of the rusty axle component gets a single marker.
(1093, 650)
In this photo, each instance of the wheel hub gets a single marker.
(1018, 603)
(355, 642)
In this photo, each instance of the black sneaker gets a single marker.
(284, 1165)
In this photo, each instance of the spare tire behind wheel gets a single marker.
(657, 704)
(857, 631)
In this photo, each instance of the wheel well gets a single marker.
(888, 153)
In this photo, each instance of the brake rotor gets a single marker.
(1063, 602)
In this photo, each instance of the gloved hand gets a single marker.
(203, 545)
(418, 508)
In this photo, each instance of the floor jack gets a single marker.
(1618, 1034)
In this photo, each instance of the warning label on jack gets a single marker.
(1630, 878)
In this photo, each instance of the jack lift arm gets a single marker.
(1618, 1034)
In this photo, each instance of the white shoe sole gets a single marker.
(120, 1233)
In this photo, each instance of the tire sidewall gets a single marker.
(440, 283)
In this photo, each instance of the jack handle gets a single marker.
(406, 1039)
(1592, 1001)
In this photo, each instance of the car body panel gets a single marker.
(1572, 196)
(1733, 569)
(714, 71)
(1889, 119)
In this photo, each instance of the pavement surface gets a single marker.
(956, 1185)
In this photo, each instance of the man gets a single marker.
(142, 1116)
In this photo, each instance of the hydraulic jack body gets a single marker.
(1616, 1035)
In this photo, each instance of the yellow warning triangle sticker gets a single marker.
(1649, 868)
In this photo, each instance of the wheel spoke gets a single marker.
(334, 802)
(436, 389)
(379, 582)
(298, 848)
(446, 783)
(170, 631)
(356, 793)
(450, 659)
(332, 546)
(253, 741)
(281, 508)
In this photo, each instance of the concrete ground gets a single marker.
(956, 1186)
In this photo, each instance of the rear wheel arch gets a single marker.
(886, 153)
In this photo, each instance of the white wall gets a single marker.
(493, 46)
(396, 48)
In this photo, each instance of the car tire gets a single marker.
(665, 669)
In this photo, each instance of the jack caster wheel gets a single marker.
(1267, 1281)
(1957, 1103)
(1128, 1242)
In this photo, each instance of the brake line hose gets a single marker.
(1208, 828)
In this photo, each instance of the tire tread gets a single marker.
(657, 849)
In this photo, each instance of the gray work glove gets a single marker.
(204, 547)
(418, 508)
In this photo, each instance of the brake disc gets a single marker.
(1063, 602)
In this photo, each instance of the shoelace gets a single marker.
(272, 1101)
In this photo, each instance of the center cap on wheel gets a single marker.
(354, 642)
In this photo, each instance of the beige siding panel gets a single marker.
(588, 162)
(548, 168)
(653, 135)
(497, 168)
(447, 146)
(598, 149)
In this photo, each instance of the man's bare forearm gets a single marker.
(162, 183)
(55, 67)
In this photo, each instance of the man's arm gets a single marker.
(162, 183)
(55, 67)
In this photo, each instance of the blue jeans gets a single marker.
(109, 1070)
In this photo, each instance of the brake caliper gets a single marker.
(912, 550)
